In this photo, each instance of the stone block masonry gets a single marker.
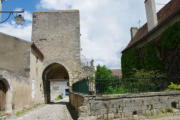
(126, 105)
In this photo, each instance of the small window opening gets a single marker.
(134, 112)
(174, 105)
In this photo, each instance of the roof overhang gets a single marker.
(152, 31)
(36, 49)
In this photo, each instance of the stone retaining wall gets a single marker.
(76, 100)
(126, 105)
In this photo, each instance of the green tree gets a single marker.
(104, 80)
(103, 72)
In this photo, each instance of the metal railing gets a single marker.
(142, 84)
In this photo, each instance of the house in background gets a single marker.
(117, 72)
(155, 46)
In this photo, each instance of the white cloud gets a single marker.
(27, 16)
(161, 3)
(105, 25)
(23, 32)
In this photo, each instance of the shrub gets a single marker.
(104, 79)
(59, 97)
(143, 81)
(170, 110)
(173, 86)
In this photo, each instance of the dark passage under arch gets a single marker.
(3, 90)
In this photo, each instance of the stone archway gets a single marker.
(5, 96)
(3, 90)
(54, 75)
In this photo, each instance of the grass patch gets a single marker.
(161, 114)
(19, 113)
(1, 116)
(170, 110)
(108, 119)
(59, 97)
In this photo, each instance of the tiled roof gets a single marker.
(116, 72)
(169, 9)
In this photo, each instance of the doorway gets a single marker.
(55, 82)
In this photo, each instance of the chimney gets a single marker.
(133, 31)
(151, 14)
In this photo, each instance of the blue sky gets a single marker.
(105, 24)
(29, 5)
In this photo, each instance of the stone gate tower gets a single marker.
(57, 36)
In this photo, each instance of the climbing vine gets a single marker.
(153, 55)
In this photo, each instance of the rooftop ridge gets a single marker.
(54, 11)
(169, 9)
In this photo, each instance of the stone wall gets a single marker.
(87, 71)
(76, 100)
(124, 106)
(36, 70)
(14, 54)
(18, 95)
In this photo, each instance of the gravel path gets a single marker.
(56, 111)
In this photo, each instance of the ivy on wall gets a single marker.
(130, 60)
(148, 57)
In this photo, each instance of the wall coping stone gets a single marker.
(129, 95)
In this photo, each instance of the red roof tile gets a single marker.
(116, 72)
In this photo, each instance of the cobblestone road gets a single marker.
(56, 111)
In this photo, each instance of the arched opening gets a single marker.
(3, 90)
(56, 82)
(174, 105)
(5, 96)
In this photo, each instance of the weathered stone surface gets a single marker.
(14, 54)
(128, 105)
(57, 35)
(18, 86)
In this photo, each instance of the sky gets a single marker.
(105, 24)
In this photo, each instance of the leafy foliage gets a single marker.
(170, 38)
(143, 81)
(59, 97)
(173, 86)
(103, 72)
(153, 55)
(130, 60)
(105, 81)
(150, 60)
